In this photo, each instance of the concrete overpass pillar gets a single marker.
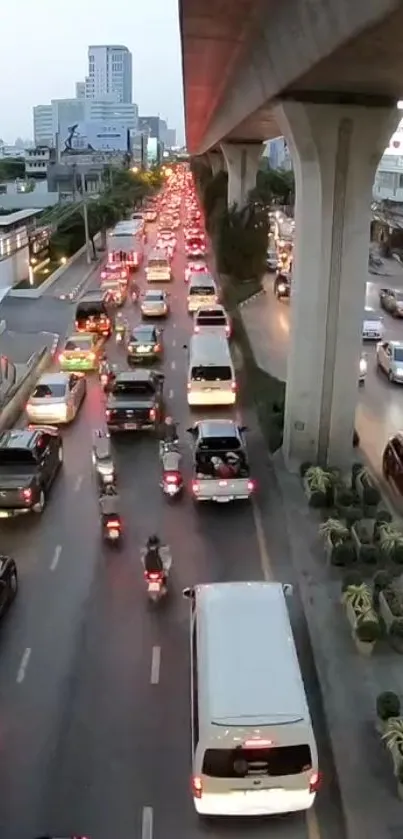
(242, 160)
(336, 150)
(216, 161)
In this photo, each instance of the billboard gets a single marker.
(152, 151)
(99, 135)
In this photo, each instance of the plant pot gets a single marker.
(364, 647)
(385, 611)
(351, 615)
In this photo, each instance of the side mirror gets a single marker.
(185, 346)
(160, 376)
(288, 589)
(243, 428)
(191, 431)
(188, 593)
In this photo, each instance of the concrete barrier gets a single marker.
(20, 393)
(34, 293)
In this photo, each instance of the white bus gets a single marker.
(253, 746)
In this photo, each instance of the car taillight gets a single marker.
(152, 415)
(157, 348)
(27, 495)
(222, 483)
(113, 525)
(61, 357)
(315, 782)
(197, 787)
(154, 576)
(171, 479)
(108, 414)
(227, 331)
(251, 486)
(233, 387)
(189, 386)
(91, 356)
(197, 328)
(103, 275)
(195, 487)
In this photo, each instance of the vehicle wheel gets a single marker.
(390, 376)
(60, 454)
(13, 585)
(385, 469)
(40, 504)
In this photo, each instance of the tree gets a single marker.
(241, 242)
(274, 184)
(12, 168)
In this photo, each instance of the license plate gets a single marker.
(113, 534)
(143, 349)
(154, 586)
(4, 515)
(222, 500)
(131, 426)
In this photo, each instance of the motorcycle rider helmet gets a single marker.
(110, 490)
(169, 420)
(153, 541)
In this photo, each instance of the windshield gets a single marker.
(276, 761)
(144, 389)
(215, 373)
(202, 289)
(211, 320)
(85, 344)
(44, 391)
(16, 456)
(195, 242)
(143, 336)
(90, 310)
(111, 282)
(219, 444)
(398, 354)
(154, 296)
(160, 262)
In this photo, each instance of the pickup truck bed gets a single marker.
(221, 490)
(127, 414)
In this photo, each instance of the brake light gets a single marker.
(195, 487)
(227, 331)
(197, 787)
(154, 576)
(197, 328)
(61, 357)
(251, 486)
(171, 479)
(157, 348)
(113, 525)
(152, 414)
(189, 386)
(315, 782)
(103, 275)
(222, 483)
(258, 744)
(233, 387)
(27, 495)
(108, 414)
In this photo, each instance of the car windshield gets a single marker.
(49, 391)
(162, 262)
(90, 310)
(16, 456)
(195, 242)
(211, 320)
(154, 296)
(111, 283)
(143, 335)
(398, 354)
(241, 762)
(203, 289)
(73, 344)
(215, 373)
(219, 444)
(144, 389)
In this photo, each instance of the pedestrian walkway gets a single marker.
(349, 682)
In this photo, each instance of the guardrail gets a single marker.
(18, 394)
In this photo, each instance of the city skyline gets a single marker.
(58, 65)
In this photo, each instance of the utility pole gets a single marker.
(85, 214)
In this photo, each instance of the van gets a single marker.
(202, 291)
(93, 314)
(212, 319)
(211, 375)
(158, 268)
(253, 746)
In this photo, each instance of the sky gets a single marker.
(44, 52)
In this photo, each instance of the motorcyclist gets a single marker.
(169, 431)
(153, 563)
(170, 461)
(109, 503)
(102, 457)
(120, 324)
(104, 365)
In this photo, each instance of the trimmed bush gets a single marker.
(351, 578)
(369, 554)
(367, 630)
(343, 554)
(387, 705)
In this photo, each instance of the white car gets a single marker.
(154, 304)
(363, 369)
(389, 358)
(212, 319)
(372, 327)
(56, 399)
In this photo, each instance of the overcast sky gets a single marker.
(43, 53)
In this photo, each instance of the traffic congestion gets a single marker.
(127, 499)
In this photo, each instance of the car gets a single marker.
(391, 299)
(282, 284)
(212, 319)
(115, 291)
(8, 583)
(389, 358)
(271, 260)
(81, 353)
(195, 246)
(392, 461)
(372, 327)
(56, 398)
(93, 314)
(220, 441)
(135, 401)
(195, 268)
(144, 344)
(115, 271)
(154, 304)
(30, 459)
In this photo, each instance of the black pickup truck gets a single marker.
(135, 401)
(29, 461)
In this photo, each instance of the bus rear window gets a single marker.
(274, 762)
(215, 373)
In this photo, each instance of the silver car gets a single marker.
(155, 304)
(389, 358)
(372, 326)
(56, 399)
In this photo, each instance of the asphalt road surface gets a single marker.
(94, 686)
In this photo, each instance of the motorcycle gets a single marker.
(119, 337)
(167, 446)
(172, 484)
(112, 530)
(106, 475)
(157, 581)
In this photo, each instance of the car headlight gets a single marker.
(363, 365)
(399, 371)
(281, 288)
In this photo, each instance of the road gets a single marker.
(94, 687)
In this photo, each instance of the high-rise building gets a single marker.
(155, 126)
(109, 73)
(170, 138)
(80, 90)
(43, 125)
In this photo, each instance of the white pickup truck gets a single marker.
(220, 465)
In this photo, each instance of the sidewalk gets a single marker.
(349, 682)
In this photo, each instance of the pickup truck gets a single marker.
(135, 401)
(220, 464)
(29, 461)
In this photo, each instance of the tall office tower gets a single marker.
(44, 134)
(80, 90)
(109, 73)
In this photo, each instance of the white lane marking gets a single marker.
(261, 542)
(23, 666)
(56, 557)
(78, 483)
(174, 326)
(147, 823)
(174, 343)
(173, 365)
(155, 665)
(170, 394)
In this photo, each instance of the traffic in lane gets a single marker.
(94, 688)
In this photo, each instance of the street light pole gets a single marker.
(85, 214)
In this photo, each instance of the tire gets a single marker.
(39, 507)
(14, 585)
(390, 376)
(60, 455)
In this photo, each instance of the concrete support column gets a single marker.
(336, 150)
(242, 160)
(216, 161)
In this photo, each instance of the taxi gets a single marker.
(81, 353)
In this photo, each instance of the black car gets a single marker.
(282, 285)
(29, 461)
(93, 314)
(135, 401)
(144, 344)
(8, 583)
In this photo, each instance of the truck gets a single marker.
(221, 470)
(125, 244)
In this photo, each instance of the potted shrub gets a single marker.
(362, 533)
(396, 635)
(362, 617)
(347, 504)
(367, 492)
(390, 605)
(382, 580)
(391, 542)
(381, 517)
(367, 632)
(334, 532)
(351, 578)
(318, 485)
(387, 706)
(358, 600)
(393, 737)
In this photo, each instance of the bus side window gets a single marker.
(195, 704)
